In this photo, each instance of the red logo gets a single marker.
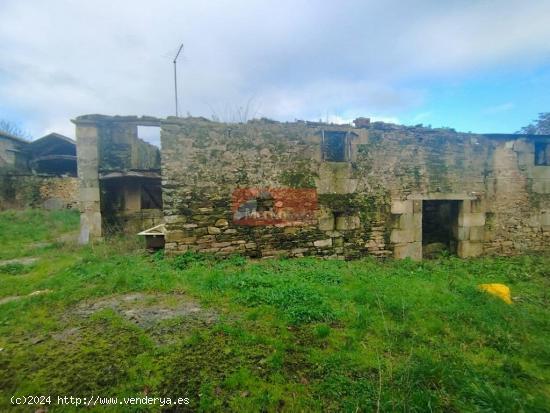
(274, 206)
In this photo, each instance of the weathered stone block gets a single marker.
(274, 253)
(200, 231)
(221, 244)
(231, 249)
(90, 227)
(214, 230)
(401, 207)
(399, 236)
(347, 222)
(174, 236)
(90, 194)
(417, 227)
(209, 250)
(323, 243)
(222, 223)
(469, 249)
(463, 233)
(326, 221)
(465, 207)
(207, 239)
(405, 221)
(412, 250)
(175, 219)
(477, 233)
(471, 220)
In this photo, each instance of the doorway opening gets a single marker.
(439, 227)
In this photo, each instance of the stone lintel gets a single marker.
(437, 196)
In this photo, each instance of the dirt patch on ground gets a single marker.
(149, 309)
(161, 315)
(19, 297)
(20, 261)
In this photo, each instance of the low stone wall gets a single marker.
(31, 191)
(210, 226)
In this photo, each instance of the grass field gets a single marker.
(273, 335)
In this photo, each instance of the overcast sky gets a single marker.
(480, 66)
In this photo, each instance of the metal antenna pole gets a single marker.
(176, 78)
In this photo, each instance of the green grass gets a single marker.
(289, 335)
(21, 231)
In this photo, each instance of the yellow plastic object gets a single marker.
(500, 290)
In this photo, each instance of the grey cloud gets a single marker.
(294, 59)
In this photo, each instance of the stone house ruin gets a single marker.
(11, 151)
(120, 182)
(266, 188)
(41, 173)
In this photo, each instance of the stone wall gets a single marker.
(518, 201)
(12, 153)
(121, 149)
(205, 167)
(32, 191)
(369, 203)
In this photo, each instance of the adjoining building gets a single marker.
(265, 188)
(53, 154)
(41, 173)
(12, 154)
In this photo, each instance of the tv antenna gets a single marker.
(176, 77)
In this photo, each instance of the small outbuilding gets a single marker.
(53, 154)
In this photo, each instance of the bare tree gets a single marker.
(13, 129)
(541, 126)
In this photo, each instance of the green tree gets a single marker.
(541, 126)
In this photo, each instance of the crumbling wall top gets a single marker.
(136, 120)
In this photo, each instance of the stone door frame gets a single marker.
(406, 234)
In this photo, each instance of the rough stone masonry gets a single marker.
(266, 188)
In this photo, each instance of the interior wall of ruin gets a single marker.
(106, 144)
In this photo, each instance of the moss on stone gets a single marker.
(301, 177)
